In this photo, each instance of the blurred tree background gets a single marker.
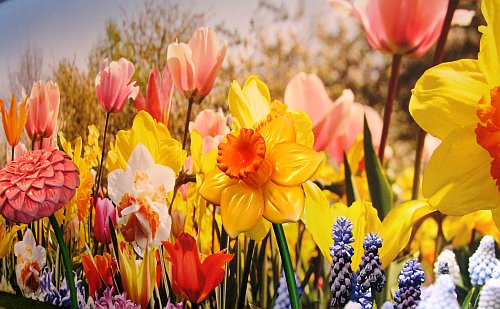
(282, 41)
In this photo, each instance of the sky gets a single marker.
(69, 29)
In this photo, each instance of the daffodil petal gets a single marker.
(495, 213)
(6, 241)
(490, 43)
(303, 127)
(241, 208)
(397, 226)
(365, 219)
(446, 97)
(294, 164)
(457, 178)
(318, 217)
(259, 231)
(250, 104)
(282, 204)
(214, 183)
(280, 130)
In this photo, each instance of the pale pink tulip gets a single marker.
(212, 125)
(43, 108)
(114, 86)
(194, 66)
(104, 210)
(430, 144)
(158, 101)
(335, 124)
(399, 27)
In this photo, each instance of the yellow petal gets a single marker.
(457, 178)
(6, 242)
(458, 230)
(260, 230)
(128, 272)
(279, 130)
(241, 208)
(489, 51)
(318, 217)
(196, 150)
(214, 183)
(294, 163)
(282, 204)
(446, 97)
(365, 219)
(496, 216)
(250, 104)
(146, 278)
(303, 127)
(397, 227)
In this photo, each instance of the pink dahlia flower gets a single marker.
(36, 185)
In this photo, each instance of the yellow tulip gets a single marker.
(13, 124)
(6, 239)
(459, 230)
(138, 283)
(459, 103)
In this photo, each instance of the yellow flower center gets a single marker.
(488, 130)
(243, 157)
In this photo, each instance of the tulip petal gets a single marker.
(214, 184)
(241, 208)
(457, 179)
(446, 97)
(490, 43)
(213, 272)
(250, 104)
(282, 204)
(294, 164)
(399, 221)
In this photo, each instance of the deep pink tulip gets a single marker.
(36, 185)
(104, 209)
(335, 124)
(43, 108)
(396, 26)
(114, 86)
(158, 96)
(194, 66)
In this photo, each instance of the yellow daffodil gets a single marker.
(262, 165)
(92, 152)
(6, 238)
(459, 230)
(395, 230)
(459, 102)
(138, 279)
(155, 136)
(13, 124)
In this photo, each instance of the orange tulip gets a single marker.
(13, 123)
(98, 271)
(191, 278)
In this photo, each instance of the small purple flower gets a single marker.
(108, 300)
(410, 278)
(341, 253)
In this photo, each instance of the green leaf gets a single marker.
(380, 190)
(350, 186)
(471, 298)
(114, 240)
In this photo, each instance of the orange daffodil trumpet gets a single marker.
(13, 123)
(261, 166)
(459, 102)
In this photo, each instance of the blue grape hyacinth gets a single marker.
(341, 252)
(283, 298)
(442, 294)
(410, 278)
(370, 272)
(483, 261)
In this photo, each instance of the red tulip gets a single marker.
(43, 108)
(114, 86)
(158, 96)
(98, 270)
(396, 26)
(192, 279)
(104, 209)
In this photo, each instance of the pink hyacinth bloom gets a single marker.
(335, 124)
(194, 66)
(212, 125)
(158, 96)
(399, 27)
(36, 185)
(104, 209)
(43, 108)
(114, 86)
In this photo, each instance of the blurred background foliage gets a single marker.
(282, 40)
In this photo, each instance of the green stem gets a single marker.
(287, 266)
(246, 273)
(70, 281)
(389, 104)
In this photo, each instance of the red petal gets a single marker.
(18, 201)
(69, 166)
(48, 172)
(52, 195)
(71, 180)
(38, 183)
(56, 181)
(25, 184)
(11, 192)
(37, 195)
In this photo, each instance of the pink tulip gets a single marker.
(194, 66)
(335, 124)
(430, 144)
(104, 209)
(43, 108)
(399, 27)
(114, 86)
(212, 125)
(158, 96)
